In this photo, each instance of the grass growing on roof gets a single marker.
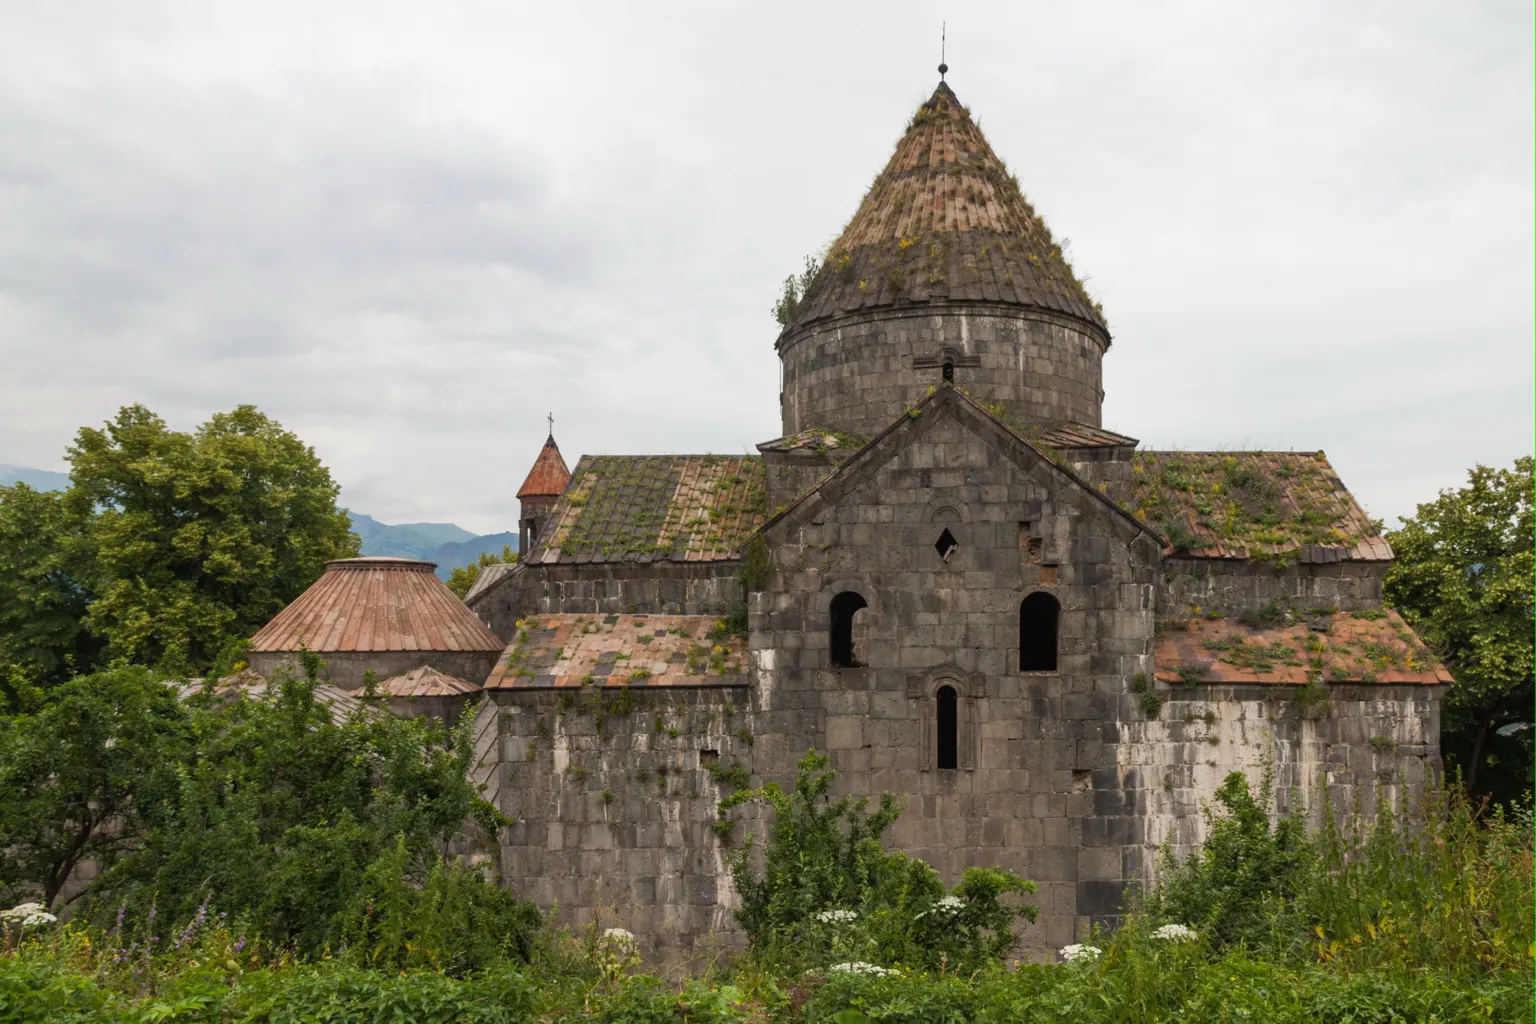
(1270, 503)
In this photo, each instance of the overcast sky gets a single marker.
(408, 231)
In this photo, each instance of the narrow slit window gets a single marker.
(845, 607)
(1039, 620)
(949, 727)
(946, 544)
(949, 372)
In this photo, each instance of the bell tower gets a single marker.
(536, 498)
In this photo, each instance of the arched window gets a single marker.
(1039, 616)
(948, 717)
(845, 607)
(949, 371)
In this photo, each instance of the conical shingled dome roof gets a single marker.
(549, 475)
(376, 604)
(944, 221)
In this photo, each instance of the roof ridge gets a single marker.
(915, 412)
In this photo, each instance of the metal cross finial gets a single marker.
(551, 419)
(943, 33)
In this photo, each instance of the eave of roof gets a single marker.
(1081, 435)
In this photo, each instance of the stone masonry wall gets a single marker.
(614, 811)
(1232, 586)
(1367, 744)
(1029, 742)
(856, 373)
(655, 588)
(346, 668)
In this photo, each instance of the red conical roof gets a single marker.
(376, 604)
(944, 221)
(549, 475)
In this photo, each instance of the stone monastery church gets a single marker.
(946, 574)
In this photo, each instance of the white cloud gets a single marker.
(410, 231)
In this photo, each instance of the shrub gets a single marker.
(1242, 874)
(829, 891)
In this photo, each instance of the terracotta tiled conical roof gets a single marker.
(944, 220)
(549, 475)
(376, 604)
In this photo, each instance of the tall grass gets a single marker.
(1422, 915)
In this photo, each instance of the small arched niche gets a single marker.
(1039, 625)
(848, 638)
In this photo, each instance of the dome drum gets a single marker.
(857, 373)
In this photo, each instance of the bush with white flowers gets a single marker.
(860, 967)
(1175, 933)
(28, 915)
(837, 916)
(615, 952)
(1080, 952)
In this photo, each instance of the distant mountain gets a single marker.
(448, 545)
(450, 556)
(37, 479)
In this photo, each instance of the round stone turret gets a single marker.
(944, 273)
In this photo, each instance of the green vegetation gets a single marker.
(1422, 919)
(1462, 579)
(166, 548)
(1269, 503)
(796, 288)
(462, 579)
(309, 831)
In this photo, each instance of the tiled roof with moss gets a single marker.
(1280, 506)
(652, 508)
(607, 651)
(944, 220)
(1272, 645)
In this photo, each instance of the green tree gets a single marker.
(43, 599)
(1462, 578)
(288, 807)
(462, 579)
(197, 539)
(79, 773)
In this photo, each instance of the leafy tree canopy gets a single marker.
(167, 546)
(1462, 578)
(75, 775)
(42, 598)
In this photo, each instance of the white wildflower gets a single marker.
(28, 915)
(836, 916)
(1080, 952)
(618, 937)
(950, 905)
(860, 967)
(1175, 933)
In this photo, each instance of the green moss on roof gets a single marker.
(656, 507)
(1267, 505)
